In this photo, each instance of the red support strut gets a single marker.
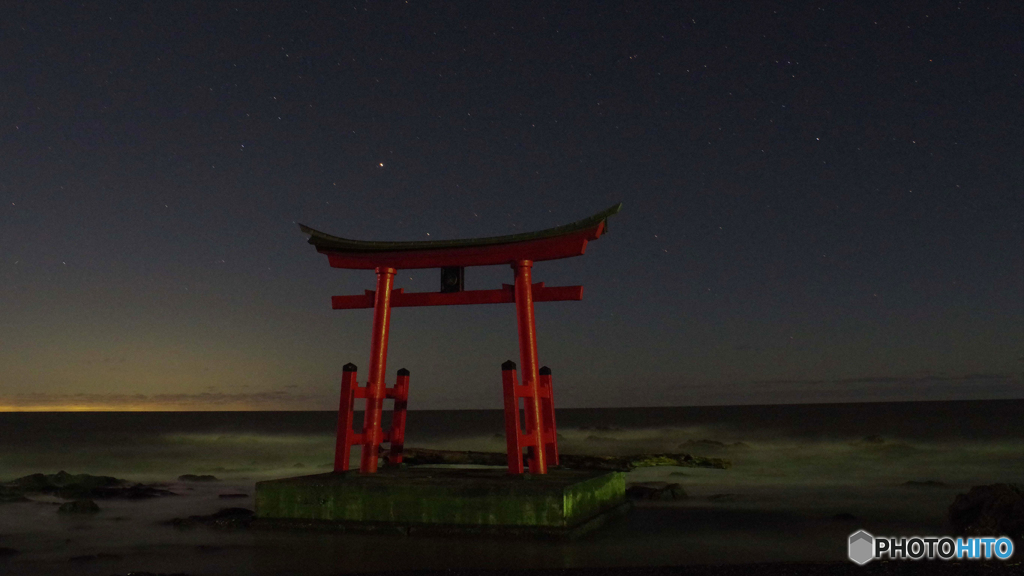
(547, 408)
(347, 437)
(513, 432)
(397, 435)
(542, 440)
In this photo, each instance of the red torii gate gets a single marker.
(452, 256)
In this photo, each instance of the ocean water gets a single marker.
(795, 468)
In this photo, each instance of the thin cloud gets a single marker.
(909, 380)
(266, 400)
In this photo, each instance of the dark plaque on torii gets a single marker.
(519, 251)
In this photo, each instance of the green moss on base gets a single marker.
(562, 498)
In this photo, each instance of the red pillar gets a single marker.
(528, 359)
(398, 413)
(513, 442)
(376, 392)
(547, 404)
(343, 445)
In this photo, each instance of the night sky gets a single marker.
(822, 202)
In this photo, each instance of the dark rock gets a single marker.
(141, 491)
(676, 491)
(655, 491)
(238, 495)
(641, 461)
(993, 510)
(11, 495)
(77, 491)
(879, 445)
(64, 485)
(79, 507)
(844, 517)
(33, 482)
(4, 552)
(130, 491)
(925, 484)
(642, 493)
(233, 513)
(197, 478)
(77, 487)
(706, 444)
(226, 518)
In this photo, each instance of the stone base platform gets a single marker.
(422, 500)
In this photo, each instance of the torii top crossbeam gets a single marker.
(519, 251)
(559, 242)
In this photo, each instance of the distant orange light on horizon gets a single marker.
(131, 408)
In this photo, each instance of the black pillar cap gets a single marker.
(508, 365)
(350, 367)
(545, 371)
(403, 372)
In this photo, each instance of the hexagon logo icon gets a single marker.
(861, 547)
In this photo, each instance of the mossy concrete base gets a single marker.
(441, 500)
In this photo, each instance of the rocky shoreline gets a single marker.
(78, 487)
(982, 510)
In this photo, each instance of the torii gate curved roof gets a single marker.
(558, 242)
